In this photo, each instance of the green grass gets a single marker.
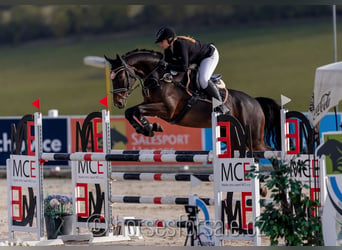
(260, 60)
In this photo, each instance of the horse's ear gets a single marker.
(110, 60)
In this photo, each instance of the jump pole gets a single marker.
(157, 200)
(148, 157)
(117, 176)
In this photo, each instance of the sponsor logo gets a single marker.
(323, 104)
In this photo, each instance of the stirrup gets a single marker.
(167, 77)
(222, 109)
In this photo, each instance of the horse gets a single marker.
(168, 96)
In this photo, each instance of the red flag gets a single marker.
(104, 101)
(36, 103)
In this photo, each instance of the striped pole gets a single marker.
(200, 158)
(85, 156)
(166, 200)
(119, 176)
(162, 152)
(156, 200)
(236, 153)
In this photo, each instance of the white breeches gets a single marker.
(207, 68)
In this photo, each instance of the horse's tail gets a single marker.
(272, 133)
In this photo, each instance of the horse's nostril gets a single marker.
(119, 105)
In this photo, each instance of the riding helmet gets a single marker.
(165, 33)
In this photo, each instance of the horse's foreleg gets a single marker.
(141, 127)
(140, 123)
(157, 109)
(136, 116)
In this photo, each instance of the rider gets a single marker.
(181, 51)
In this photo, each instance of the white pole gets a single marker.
(335, 36)
(335, 54)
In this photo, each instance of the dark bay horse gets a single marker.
(174, 103)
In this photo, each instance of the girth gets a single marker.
(187, 107)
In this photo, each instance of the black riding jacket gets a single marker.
(184, 52)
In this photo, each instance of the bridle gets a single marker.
(130, 74)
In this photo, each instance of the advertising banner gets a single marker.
(124, 137)
(174, 137)
(55, 137)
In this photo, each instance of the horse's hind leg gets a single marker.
(257, 134)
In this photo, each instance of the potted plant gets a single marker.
(58, 212)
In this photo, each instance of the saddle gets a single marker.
(190, 82)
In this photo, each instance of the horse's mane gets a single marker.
(143, 51)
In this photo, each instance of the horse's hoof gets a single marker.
(140, 131)
(263, 191)
(149, 133)
(145, 132)
(156, 127)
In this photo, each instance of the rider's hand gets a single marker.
(163, 63)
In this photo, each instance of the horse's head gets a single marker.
(123, 79)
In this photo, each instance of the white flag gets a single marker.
(194, 181)
(284, 100)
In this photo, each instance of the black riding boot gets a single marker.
(212, 91)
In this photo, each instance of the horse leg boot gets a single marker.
(148, 127)
(143, 126)
(212, 91)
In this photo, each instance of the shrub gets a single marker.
(291, 215)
